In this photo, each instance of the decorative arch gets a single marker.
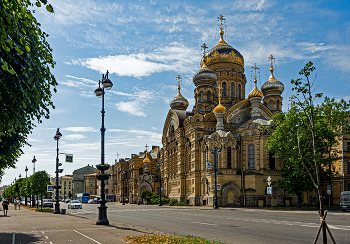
(196, 117)
(144, 186)
(209, 116)
(171, 120)
(231, 190)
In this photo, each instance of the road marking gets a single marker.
(46, 238)
(309, 226)
(204, 223)
(13, 238)
(87, 237)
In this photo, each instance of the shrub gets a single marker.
(165, 200)
(173, 202)
(182, 203)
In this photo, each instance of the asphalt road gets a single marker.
(234, 225)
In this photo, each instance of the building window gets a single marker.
(277, 105)
(270, 105)
(251, 156)
(141, 171)
(229, 158)
(77, 185)
(348, 147)
(65, 187)
(232, 89)
(69, 182)
(107, 182)
(91, 183)
(106, 191)
(69, 187)
(224, 89)
(90, 192)
(208, 96)
(239, 91)
(348, 168)
(201, 96)
(272, 161)
(65, 182)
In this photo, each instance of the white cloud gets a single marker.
(150, 134)
(80, 129)
(116, 130)
(175, 57)
(252, 5)
(78, 82)
(32, 139)
(133, 108)
(74, 137)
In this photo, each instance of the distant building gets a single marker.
(67, 190)
(78, 179)
(90, 184)
(109, 189)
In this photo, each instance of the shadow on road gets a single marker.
(19, 238)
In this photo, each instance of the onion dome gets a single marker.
(223, 53)
(146, 160)
(255, 92)
(272, 84)
(179, 102)
(204, 76)
(219, 108)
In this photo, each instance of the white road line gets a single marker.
(204, 223)
(46, 238)
(309, 226)
(87, 237)
(13, 238)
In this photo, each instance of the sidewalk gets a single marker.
(28, 226)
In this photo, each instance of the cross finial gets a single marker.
(271, 58)
(146, 147)
(221, 19)
(255, 68)
(179, 79)
(219, 90)
(204, 46)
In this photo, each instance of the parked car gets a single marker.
(96, 200)
(67, 200)
(90, 201)
(47, 203)
(75, 204)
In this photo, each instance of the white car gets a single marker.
(75, 204)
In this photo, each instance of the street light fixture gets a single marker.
(99, 92)
(215, 152)
(123, 173)
(25, 201)
(57, 204)
(33, 161)
(159, 164)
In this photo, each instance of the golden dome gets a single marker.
(219, 108)
(255, 92)
(146, 160)
(179, 102)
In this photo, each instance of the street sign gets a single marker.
(209, 165)
(162, 189)
(329, 192)
(218, 186)
(269, 190)
(268, 178)
(69, 158)
(50, 188)
(329, 187)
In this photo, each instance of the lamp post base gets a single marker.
(102, 215)
(57, 208)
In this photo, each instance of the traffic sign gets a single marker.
(329, 187)
(50, 188)
(218, 186)
(69, 158)
(209, 165)
(162, 189)
(329, 192)
(268, 178)
(269, 190)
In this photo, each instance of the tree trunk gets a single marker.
(299, 200)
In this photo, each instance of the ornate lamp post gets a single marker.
(99, 92)
(57, 204)
(215, 152)
(159, 164)
(123, 178)
(33, 161)
(25, 201)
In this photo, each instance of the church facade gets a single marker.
(222, 133)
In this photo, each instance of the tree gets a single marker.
(38, 183)
(304, 138)
(26, 82)
(146, 194)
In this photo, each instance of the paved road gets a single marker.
(239, 225)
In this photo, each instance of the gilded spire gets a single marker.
(179, 79)
(146, 160)
(219, 108)
(221, 27)
(255, 92)
(272, 60)
(204, 60)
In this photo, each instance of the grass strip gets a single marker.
(169, 239)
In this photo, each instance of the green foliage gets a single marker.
(146, 194)
(26, 82)
(173, 202)
(39, 182)
(165, 200)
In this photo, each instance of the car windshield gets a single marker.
(47, 200)
(75, 201)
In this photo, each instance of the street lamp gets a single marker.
(215, 152)
(33, 161)
(159, 164)
(57, 204)
(99, 92)
(123, 172)
(26, 170)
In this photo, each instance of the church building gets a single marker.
(222, 133)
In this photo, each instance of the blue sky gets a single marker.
(146, 44)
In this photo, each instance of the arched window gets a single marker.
(251, 156)
(141, 171)
(208, 96)
(229, 158)
(239, 91)
(224, 89)
(272, 162)
(232, 89)
(201, 96)
(277, 105)
(270, 105)
(216, 89)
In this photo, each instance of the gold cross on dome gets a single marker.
(219, 90)
(147, 147)
(221, 18)
(255, 68)
(271, 58)
(204, 46)
(179, 79)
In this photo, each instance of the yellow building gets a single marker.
(66, 191)
(90, 185)
(222, 131)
